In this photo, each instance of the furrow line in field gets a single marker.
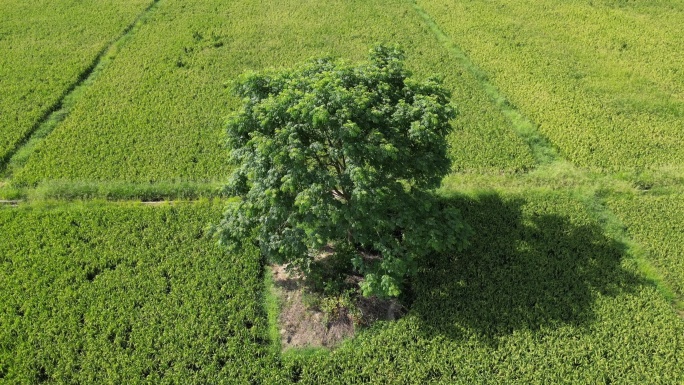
(18, 204)
(60, 109)
(542, 150)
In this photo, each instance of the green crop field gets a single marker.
(128, 293)
(45, 47)
(541, 297)
(657, 223)
(158, 112)
(568, 164)
(98, 293)
(602, 79)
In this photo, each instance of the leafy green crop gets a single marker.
(657, 223)
(132, 293)
(601, 79)
(45, 47)
(157, 111)
(127, 294)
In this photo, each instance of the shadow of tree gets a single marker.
(522, 270)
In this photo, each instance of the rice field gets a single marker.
(567, 163)
(46, 47)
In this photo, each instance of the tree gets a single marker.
(343, 158)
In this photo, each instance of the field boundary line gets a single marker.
(60, 204)
(18, 156)
(615, 228)
(116, 191)
(543, 151)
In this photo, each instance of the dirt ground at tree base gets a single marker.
(302, 326)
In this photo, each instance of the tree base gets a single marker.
(309, 319)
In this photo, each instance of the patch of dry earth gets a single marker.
(300, 326)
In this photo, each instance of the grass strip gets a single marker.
(122, 191)
(272, 307)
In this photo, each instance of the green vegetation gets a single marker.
(567, 162)
(541, 296)
(342, 158)
(601, 79)
(657, 223)
(46, 48)
(130, 293)
(109, 293)
(114, 191)
(119, 191)
(157, 113)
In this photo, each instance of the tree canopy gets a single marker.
(344, 158)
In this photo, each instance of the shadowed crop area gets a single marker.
(541, 296)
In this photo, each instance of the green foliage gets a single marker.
(127, 294)
(156, 112)
(10, 193)
(340, 305)
(603, 93)
(123, 293)
(45, 47)
(66, 190)
(341, 156)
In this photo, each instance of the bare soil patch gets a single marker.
(302, 326)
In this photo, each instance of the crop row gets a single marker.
(601, 79)
(656, 223)
(45, 46)
(126, 294)
(157, 112)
